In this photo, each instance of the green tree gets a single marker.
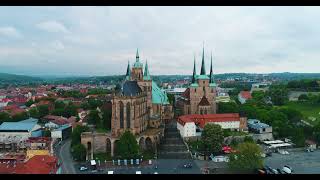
(79, 152)
(212, 137)
(19, 117)
(127, 146)
(247, 158)
(278, 94)
(43, 110)
(248, 111)
(34, 113)
(76, 134)
(47, 133)
(29, 103)
(298, 136)
(59, 105)
(94, 117)
(248, 139)
(294, 116)
(316, 132)
(228, 107)
(4, 117)
(171, 98)
(303, 97)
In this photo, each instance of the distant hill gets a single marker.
(17, 79)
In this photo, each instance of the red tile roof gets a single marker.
(245, 94)
(202, 119)
(39, 164)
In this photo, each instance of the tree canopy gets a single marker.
(247, 157)
(127, 147)
(212, 137)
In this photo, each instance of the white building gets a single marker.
(192, 125)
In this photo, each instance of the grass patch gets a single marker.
(307, 109)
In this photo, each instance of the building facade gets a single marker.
(141, 107)
(200, 97)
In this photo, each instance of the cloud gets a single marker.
(52, 26)
(10, 32)
(57, 45)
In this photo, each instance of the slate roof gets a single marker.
(131, 88)
(204, 102)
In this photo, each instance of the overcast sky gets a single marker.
(101, 40)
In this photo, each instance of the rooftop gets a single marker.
(25, 125)
(158, 95)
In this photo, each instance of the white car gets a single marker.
(155, 173)
(138, 172)
(287, 170)
(83, 168)
(110, 172)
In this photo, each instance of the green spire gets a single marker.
(137, 55)
(211, 75)
(203, 68)
(194, 71)
(146, 75)
(128, 72)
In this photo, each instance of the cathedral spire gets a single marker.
(137, 55)
(194, 71)
(203, 68)
(146, 75)
(211, 74)
(128, 72)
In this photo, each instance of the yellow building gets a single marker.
(31, 153)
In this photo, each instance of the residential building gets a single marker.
(261, 131)
(244, 96)
(62, 133)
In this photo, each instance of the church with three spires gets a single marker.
(200, 96)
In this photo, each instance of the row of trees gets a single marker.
(304, 84)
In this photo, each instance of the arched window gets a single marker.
(121, 115)
(128, 115)
(205, 111)
(201, 112)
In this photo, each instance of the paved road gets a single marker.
(301, 162)
(165, 166)
(64, 155)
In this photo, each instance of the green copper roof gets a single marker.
(202, 77)
(194, 85)
(137, 64)
(158, 96)
(146, 75)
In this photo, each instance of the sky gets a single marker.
(89, 41)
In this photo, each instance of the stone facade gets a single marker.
(141, 108)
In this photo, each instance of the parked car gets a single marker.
(83, 168)
(287, 169)
(188, 165)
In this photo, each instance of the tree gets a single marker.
(316, 132)
(43, 110)
(59, 105)
(47, 133)
(278, 94)
(29, 103)
(303, 97)
(294, 116)
(79, 152)
(19, 117)
(94, 117)
(34, 113)
(171, 98)
(228, 107)
(212, 137)
(127, 146)
(247, 158)
(298, 136)
(76, 134)
(248, 111)
(248, 139)
(4, 117)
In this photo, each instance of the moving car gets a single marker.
(138, 172)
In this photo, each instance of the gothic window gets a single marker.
(121, 115)
(128, 115)
(195, 89)
(205, 111)
(204, 89)
(201, 112)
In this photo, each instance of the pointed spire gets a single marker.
(203, 68)
(137, 55)
(211, 74)
(194, 71)
(146, 75)
(128, 71)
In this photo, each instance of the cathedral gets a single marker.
(140, 107)
(200, 96)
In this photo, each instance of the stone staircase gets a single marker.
(172, 146)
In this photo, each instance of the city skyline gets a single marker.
(88, 41)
